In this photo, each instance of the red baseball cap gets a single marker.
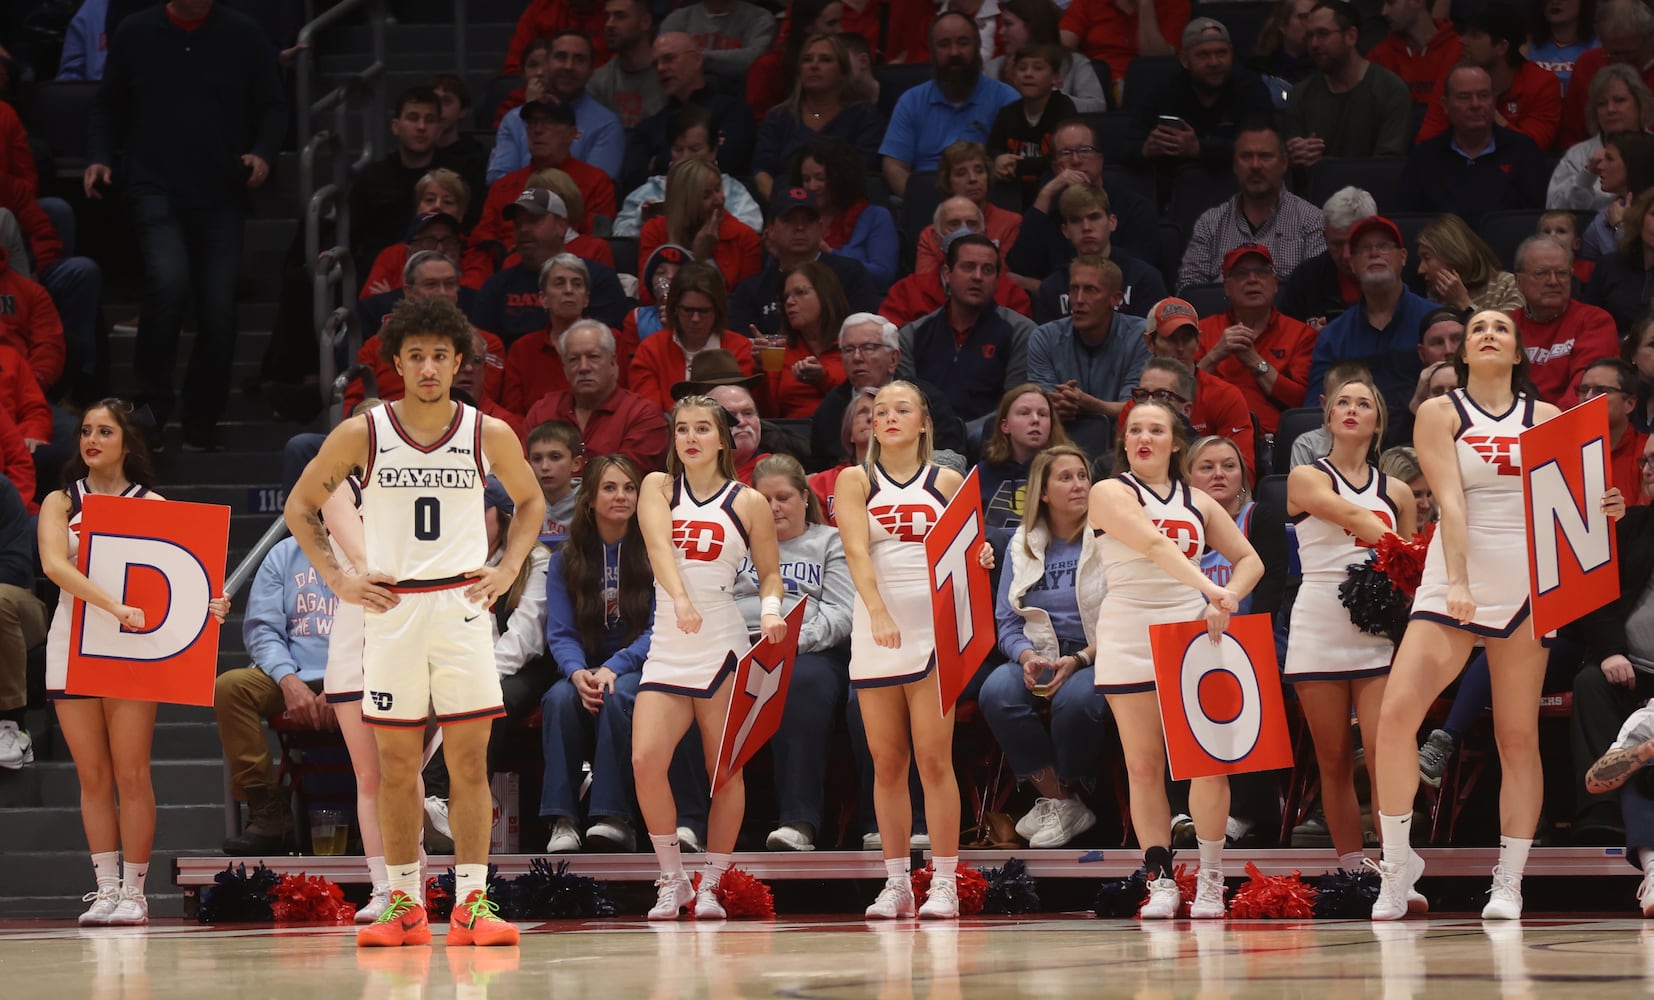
(1234, 256)
(1170, 315)
(1378, 222)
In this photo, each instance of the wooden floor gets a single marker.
(1459, 958)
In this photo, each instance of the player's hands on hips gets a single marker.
(985, 556)
(1461, 607)
(774, 628)
(492, 581)
(1217, 619)
(367, 590)
(220, 608)
(130, 617)
(885, 632)
(1613, 503)
(689, 620)
(1618, 670)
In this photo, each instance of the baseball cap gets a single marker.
(1169, 316)
(537, 201)
(1204, 29)
(549, 109)
(1379, 223)
(1234, 256)
(787, 199)
(494, 496)
(429, 219)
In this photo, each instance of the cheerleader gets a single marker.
(1342, 506)
(698, 523)
(885, 508)
(1154, 528)
(1475, 588)
(108, 738)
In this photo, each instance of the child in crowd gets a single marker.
(1020, 140)
(557, 455)
(1563, 225)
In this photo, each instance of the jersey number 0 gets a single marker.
(427, 519)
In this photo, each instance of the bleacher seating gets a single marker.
(1380, 178)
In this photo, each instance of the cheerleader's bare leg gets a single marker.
(884, 714)
(1326, 707)
(729, 805)
(1144, 742)
(1517, 666)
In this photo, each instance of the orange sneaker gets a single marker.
(403, 922)
(477, 921)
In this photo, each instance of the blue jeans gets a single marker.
(190, 255)
(570, 735)
(76, 286)
(801, 746)
(865, 818)
(1078, 714)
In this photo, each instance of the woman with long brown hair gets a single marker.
(813, 307)
(818, 106)
(695, 218)
(696, 318)
(1461, 271)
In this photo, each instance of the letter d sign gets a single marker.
(167, 559)
(962, 600)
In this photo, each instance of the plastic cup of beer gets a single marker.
(773, 353)
(329, 832)
(1044, 677)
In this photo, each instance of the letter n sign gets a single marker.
(962, 598)
(1573, 568)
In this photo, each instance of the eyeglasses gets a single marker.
(1073, 153)
(1587, 391)
(1644, 461)
(1560, 274)
(1252, 272)
(1142, 395)
(862, 350)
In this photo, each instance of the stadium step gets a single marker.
(49, 784)
(49, 884)
(485, 41)
(49, 828)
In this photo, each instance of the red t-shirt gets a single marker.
(739, 254)
(791, 399)
(1532, 106)
(1287, 344)
(1108, 33)
(1421, 71)
(1561, 350)
(1622, 465)
(596, 190)
(659, 364)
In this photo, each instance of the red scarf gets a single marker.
(839, 233)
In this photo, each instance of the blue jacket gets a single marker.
(1391, 354)
(85, 43)
(602, 141)
(289, 615)
(563, 642)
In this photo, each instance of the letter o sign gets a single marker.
(1220, 698)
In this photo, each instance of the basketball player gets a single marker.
(427, 590)
(1475, 586)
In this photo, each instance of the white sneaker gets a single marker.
(16, 748)
(1208, 903)
(942, 903)
(132, 909)
(1064, 820)
(565, 839)
(1645, 893)
(1506, 901)
(377, 904)
(1235, 829)
(674, 893)
(103, 900)
(687, 840)
(895, 900)
(872, 841)
(436, 817)
(612, 834)
(919, 842)
(1031, 822)
(1164, 900)
(790, 837)
(707, 906)
(1396, 895)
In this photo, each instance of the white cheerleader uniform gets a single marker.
(57, 636)
(342, 682)
(709, 543)
(1140, 594)
(899, 516)
(1325, 645)
(1496, 556)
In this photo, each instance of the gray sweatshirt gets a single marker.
(813, 566)
(728, 42)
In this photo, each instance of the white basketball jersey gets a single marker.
(422, 505)
(1175, 516)
(710, 540)
(1325, 549)
(1490, 459)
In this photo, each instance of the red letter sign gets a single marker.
(167, 559)
(1573, 568)
(1220, 704)
(962, 598)
(759, 696)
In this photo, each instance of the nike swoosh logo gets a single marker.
(472, 618)
(390, 448)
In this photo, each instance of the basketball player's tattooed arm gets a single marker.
(654, 521)
(345, 449)
(505, 459)
(1617, 766)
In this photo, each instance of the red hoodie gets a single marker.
(30, 324)
(922, 294)
(44, 245)
(19, 464)
(22, 397)
(16, 158)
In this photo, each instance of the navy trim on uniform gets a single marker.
(447, 435)
(373, 452)
(1331, 473)
(1464, 414)
(728, 507)
(66, 696)
(1125, 688)
(427, 586)
(1514, 403)
(882, 682)
(897, 483)
(1485, 631)
(1136, 487)
(343, 697)
(476, 447)
(481, 713)
(931, 487)
(392, 723)
(728, 668)
(1189, 502)
(1299, 518)
(1346, 675)
(76, 491)
(1384, 495)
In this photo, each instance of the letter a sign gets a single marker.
(760, 695)
(1220, 703)
(961, 595)
(1572, 565)
(166, 559)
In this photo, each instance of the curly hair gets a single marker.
(432, 317)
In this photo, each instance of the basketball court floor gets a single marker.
(1006, 957)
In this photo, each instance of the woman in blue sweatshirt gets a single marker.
(1025, 425)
